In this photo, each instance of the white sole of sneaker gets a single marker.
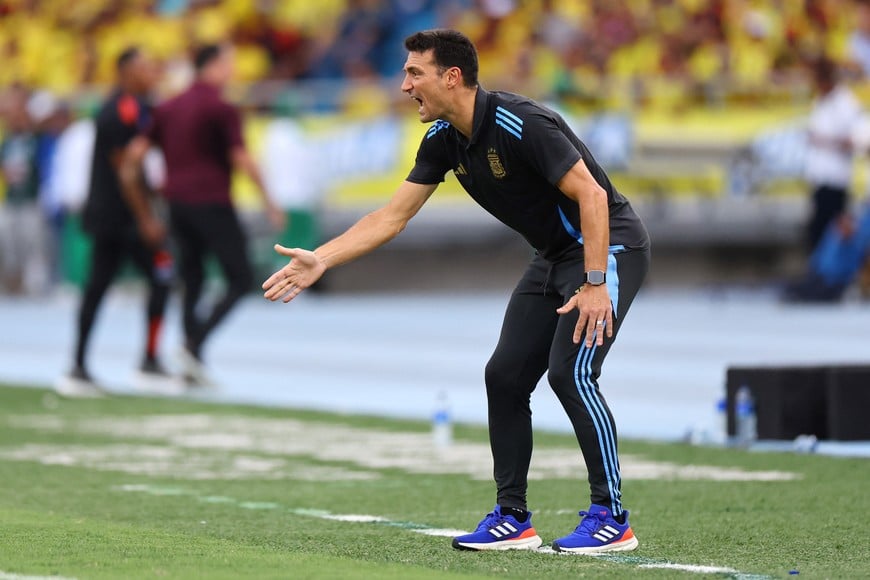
(193, 368)
(625, 546)
(159, 384)
(77, 389)
(530, 543)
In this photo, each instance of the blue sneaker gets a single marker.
(598, 532)
(500, 532)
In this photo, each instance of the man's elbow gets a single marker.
(389, 225)
(600, 194)
(592, 194)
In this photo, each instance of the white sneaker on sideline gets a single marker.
(78, 384)
(193, 370)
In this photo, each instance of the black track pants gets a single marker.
(200, 230)
(107, 256)
(828, 204)
(534, 338)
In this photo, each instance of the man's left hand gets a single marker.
(152, 231)
(596, 314)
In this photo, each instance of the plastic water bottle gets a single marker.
(721, 434)
(745, 413)
(442, 428)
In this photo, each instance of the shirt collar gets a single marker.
(481, 102)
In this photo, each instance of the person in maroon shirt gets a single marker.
(200, 135)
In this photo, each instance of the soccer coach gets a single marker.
(522, 163)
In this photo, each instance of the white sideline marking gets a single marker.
(216, 499)
(198, 446)
(624, 559)
(258, 505)
(642, 562)
(181, 463)
(690, 568)
(638, 561)
(11, 576)
(439, 532)
(357, 518)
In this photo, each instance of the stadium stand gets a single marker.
(651, 53)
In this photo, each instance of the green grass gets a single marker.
(74, 521)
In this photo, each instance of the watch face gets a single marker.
(595, 277)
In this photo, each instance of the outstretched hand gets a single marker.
(304, 269)
(596, 314)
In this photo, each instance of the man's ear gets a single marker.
(454, 77)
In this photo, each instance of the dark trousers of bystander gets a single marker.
(201, 230)
(828, 204)
(107, 256)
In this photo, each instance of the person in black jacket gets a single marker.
(116, 236)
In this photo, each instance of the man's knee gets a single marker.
(493, 373)
(562, 378)
(508, 381)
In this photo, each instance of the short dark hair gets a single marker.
(206, 54)
(450, 48)
(127, 56)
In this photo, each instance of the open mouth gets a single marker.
(419, 101)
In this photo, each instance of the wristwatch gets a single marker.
(595, 278)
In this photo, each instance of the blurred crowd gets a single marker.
(559, 46)
(31, 209)
(59, 61)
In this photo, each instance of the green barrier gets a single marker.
(302, 231)
(76, 254)
(75, 251)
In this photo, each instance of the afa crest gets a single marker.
(495, 164)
